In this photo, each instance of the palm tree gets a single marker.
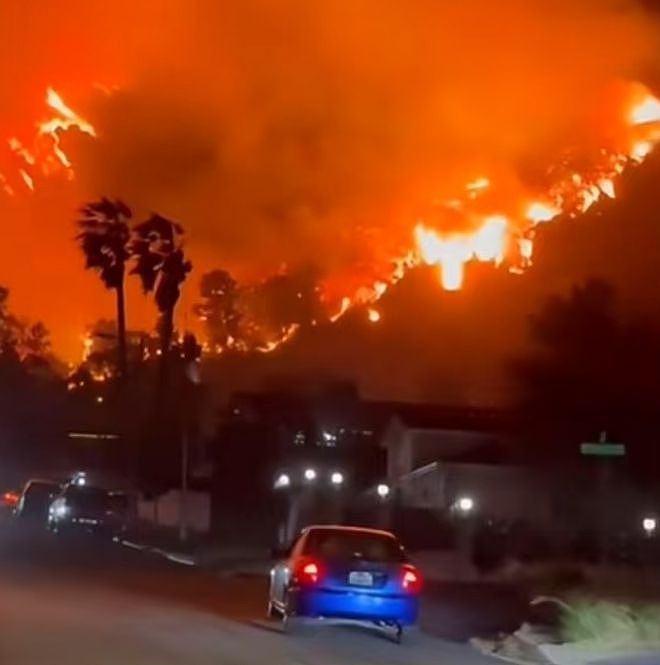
(104, 239)
(162, 267)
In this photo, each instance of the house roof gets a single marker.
(440, 417)
(376, 415)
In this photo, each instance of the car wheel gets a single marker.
(288, 612)
(272, 612)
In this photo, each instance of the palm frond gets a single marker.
(104, 236)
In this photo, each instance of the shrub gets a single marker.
(611, 626)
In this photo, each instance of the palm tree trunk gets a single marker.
(122, 360)
(166, 333)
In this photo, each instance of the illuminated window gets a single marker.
(327, 440)
(299, 438)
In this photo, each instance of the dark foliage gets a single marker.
(162, 267)
(219, 308)
(592, 370)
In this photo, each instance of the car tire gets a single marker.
(272, 612)
(288, 612)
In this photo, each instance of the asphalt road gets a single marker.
(63, 605)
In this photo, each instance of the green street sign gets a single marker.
(603, 449)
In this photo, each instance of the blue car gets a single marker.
(348, 573)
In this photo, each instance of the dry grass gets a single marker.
(611, 626)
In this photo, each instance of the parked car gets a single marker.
(81, 508)
(346, 573)
(32, 506)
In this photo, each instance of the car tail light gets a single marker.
(411, 580)
(10, 499)
(308, 572)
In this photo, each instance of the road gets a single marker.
(109, 605)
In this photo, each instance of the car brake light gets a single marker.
(412, 580)
(311, 570)
(10, 498)
(309, 573)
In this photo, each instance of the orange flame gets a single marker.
(43, 154)
(87, 346)
(345, 305)
(66, 119)
(538, 212)
(647, 111)
(373, 315)
(451, 252)
(287, 333)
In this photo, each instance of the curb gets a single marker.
(175, 557)
(192, 561)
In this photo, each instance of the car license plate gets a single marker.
(359, 578)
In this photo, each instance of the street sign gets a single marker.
(603, 449)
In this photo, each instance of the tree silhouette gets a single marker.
(22, 339)
(104, 238)
(292, 297)
(9, 325)
(270, 307)
(591, 369)
(219, 308)
(162, 267)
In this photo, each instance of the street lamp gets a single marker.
(282, 480)
(310, 474)
(383, 490)
(464, 504)
(80, 479)
(336, 478)
(649, 524)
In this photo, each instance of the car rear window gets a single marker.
(117, 501)
(348, 545)
(40, 491)
(90, 498)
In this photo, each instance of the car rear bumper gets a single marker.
(357, 605)
(88, 525)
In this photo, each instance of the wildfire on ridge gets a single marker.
(42, 154)
(287, 333)
(499, 229)
(497, 235)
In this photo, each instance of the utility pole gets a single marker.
(191, 380)
(603, 450)
(183, 497)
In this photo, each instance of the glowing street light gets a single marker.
(383, 490)
(465, 504)
(310, 475)
(650, 525)
(99, 399)
(336, 478)
(282, 480)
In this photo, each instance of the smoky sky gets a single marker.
(290, 132)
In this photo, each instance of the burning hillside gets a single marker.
(41, 154)
(361, 138)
